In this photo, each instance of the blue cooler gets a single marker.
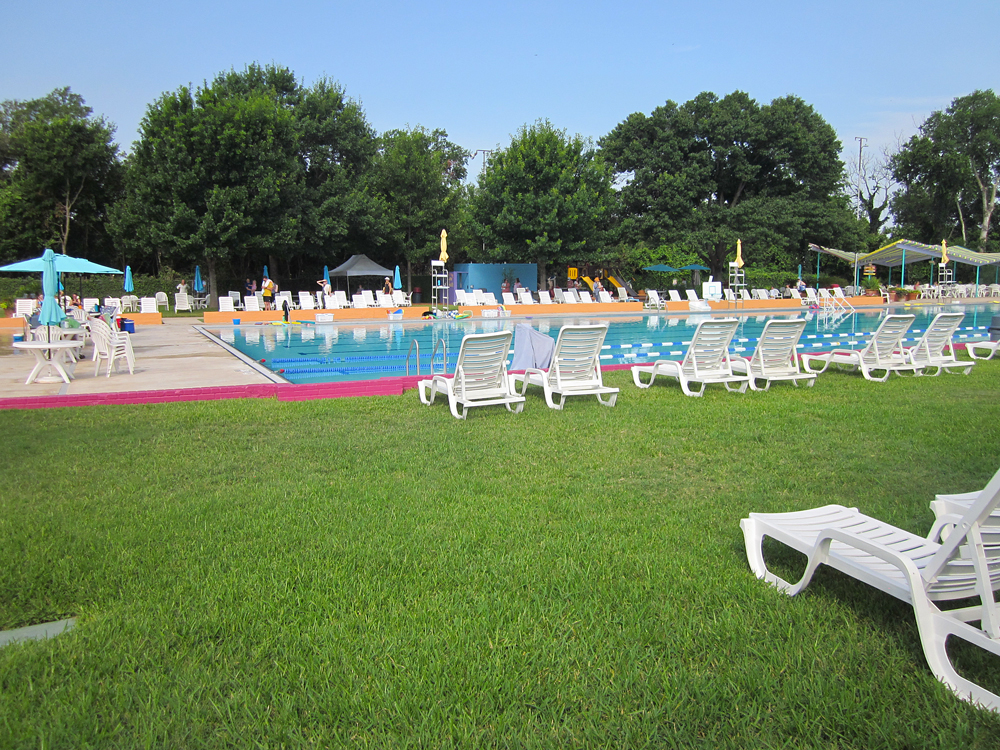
(126, 325)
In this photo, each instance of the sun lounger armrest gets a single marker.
(526, 377)
(945, 523)
(905, 565)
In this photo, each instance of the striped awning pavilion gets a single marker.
(908, 251)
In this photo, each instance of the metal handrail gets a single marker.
(444, 368)
(413, 342)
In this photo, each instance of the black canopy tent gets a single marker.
(360, 265)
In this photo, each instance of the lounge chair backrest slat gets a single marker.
(709, 348)
(887, 339)
(576, 357)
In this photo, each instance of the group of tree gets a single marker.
(254, 167)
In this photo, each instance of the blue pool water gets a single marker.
(355, 350)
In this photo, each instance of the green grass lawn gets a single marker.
(374, 572)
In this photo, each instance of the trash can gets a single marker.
(995, 328)
(417, 296)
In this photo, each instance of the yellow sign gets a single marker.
(571, 273)
(869, 270)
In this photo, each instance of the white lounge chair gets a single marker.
(706, 361)
(489, 300)
(544, 298)
(883, 352)
(307, 301)
(226, 304)
(508, 298)
(776, 357)
(460, 298)
(982, 349)
(935, 349)
(368, 297)
(605, 298)
(161, 301)
(148, 305)
(340, 296)
(575, 368)
(24, 308)
(692, 295)
(480, 377)
(729, 295)
(90, 304)
(524, 296)
(585, 297)
(237, 300)
(252, 304)
(181, 302)
(674, 295)
(653, 300)
(923, 572)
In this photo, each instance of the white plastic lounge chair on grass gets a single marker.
(181, 302)
(653, 300)
(982, 349)
(161, 301)
(480, 377)
(776, 357)
(706, 361)
(252, 304)
(935, 349)
(883, 352)
(575, 369)
(148, 305)
(226, 304)
(923, 572)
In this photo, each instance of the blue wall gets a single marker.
(489, 276)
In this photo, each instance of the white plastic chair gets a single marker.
(883, 352)
(575, 368)
(921, 571)
(307, 301)
(252, 304)
(776, 357)
(182, 302)
(161, 300)
(480, 377)
(707, 360)
(654, 302)
(226, 304)
(148, 305)
(935, 349)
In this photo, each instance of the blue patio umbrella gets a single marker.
(51, 314)
(129, 286)
(662, 268)
(326, 275)
(397, 283)
(198, 286)
(694, 267)
(265, 272)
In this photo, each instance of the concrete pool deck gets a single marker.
(175, 362)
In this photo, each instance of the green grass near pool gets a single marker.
(373, 572)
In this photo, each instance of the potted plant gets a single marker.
(899, 294)
(870, 285)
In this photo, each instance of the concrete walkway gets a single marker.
(169, 356)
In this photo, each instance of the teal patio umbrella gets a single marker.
(129, 286)
(199, 287)
(662, 268)
(50, 314)
(265, 272)
(326, 275)
(397, 283)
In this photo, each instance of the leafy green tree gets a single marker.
(255, 167)
(418, 173)
(950, 172)
(712, 171)
(213, 174)
(59, 170)
(544, 199)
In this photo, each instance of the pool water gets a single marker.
(338, 352)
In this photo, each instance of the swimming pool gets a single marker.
(340, 352)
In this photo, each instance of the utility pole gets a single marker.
(861, 168)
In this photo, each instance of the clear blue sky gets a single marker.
(480, 71)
